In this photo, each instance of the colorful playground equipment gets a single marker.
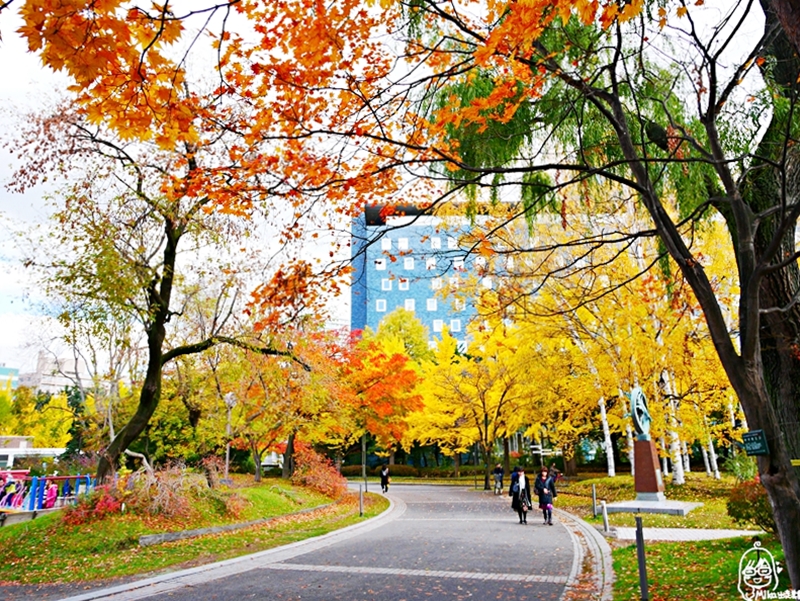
(34, 493)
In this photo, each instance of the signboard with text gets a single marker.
(755, 443)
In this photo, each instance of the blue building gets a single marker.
(409, 260)
(9, 378)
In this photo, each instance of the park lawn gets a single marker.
(45, 550)
(576, 497)
(700, 571)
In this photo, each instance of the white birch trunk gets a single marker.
(687, 464)
(607, 439)
(705, 460)
(712, 454)
(732, 417)
(664, 463)
(629, 432)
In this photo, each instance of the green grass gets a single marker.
(577, 498)
(701, 571)
(47, 551)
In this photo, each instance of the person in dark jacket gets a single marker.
(498, 479)
(545, 487)
(385, 478)
(520, 493)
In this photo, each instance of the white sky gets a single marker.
(26, 85)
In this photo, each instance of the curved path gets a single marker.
(435, 542)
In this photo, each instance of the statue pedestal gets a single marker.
(647, 476)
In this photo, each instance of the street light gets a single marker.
(230, 403)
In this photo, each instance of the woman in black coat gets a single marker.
(545, 487)
(520, 493)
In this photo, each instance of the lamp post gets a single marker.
(230, 403)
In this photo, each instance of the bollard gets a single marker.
(605, 516)
(640, 558)
(360, 501)
(594, 500)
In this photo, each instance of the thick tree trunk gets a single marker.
(148, 401)
(288, 458)
(256, 459)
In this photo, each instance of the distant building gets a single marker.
(13, 447)
(411, 261)
(9, 378)
(54, 374)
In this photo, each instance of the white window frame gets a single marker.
(455, 325)
(436, 243)
(386, 284)
(403, 284)
(487, 283)
(410, 304)
(458, 264)
(408, 263)
(436, 284)
(431, 304)
(438, 325)
(380, 264)
(452, 243)
(386, 244)
(430, 263)
(380, 305)
(402, 243)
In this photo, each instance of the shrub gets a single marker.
(398, 470)
(352, 471)
(741, 466)
(317, 473)
(103, 501)
(748, 503)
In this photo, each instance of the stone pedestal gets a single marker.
(647, 475)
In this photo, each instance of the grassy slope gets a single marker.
(46, 550)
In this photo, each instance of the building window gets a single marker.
(386, 244)
(480, 262)
(380, 264)
(409, 304)
(430, 263)
(458, 264)
(487, 282)
(408, 262)
(454, 282)
(436, 243)
(455, 325)
(402, 284)
(438, 325)
(431, 303)
(436, 284)
(460, 304)
(510, 263)
(452, 243)
(380, 305)
(386, 284)
(402, 243)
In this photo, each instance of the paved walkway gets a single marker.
(680, 534)
(434, 542)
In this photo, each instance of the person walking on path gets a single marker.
(385, 478)
(498, 479)
(520, 493)
(545, 487)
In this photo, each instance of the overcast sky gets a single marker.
(26, 85)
